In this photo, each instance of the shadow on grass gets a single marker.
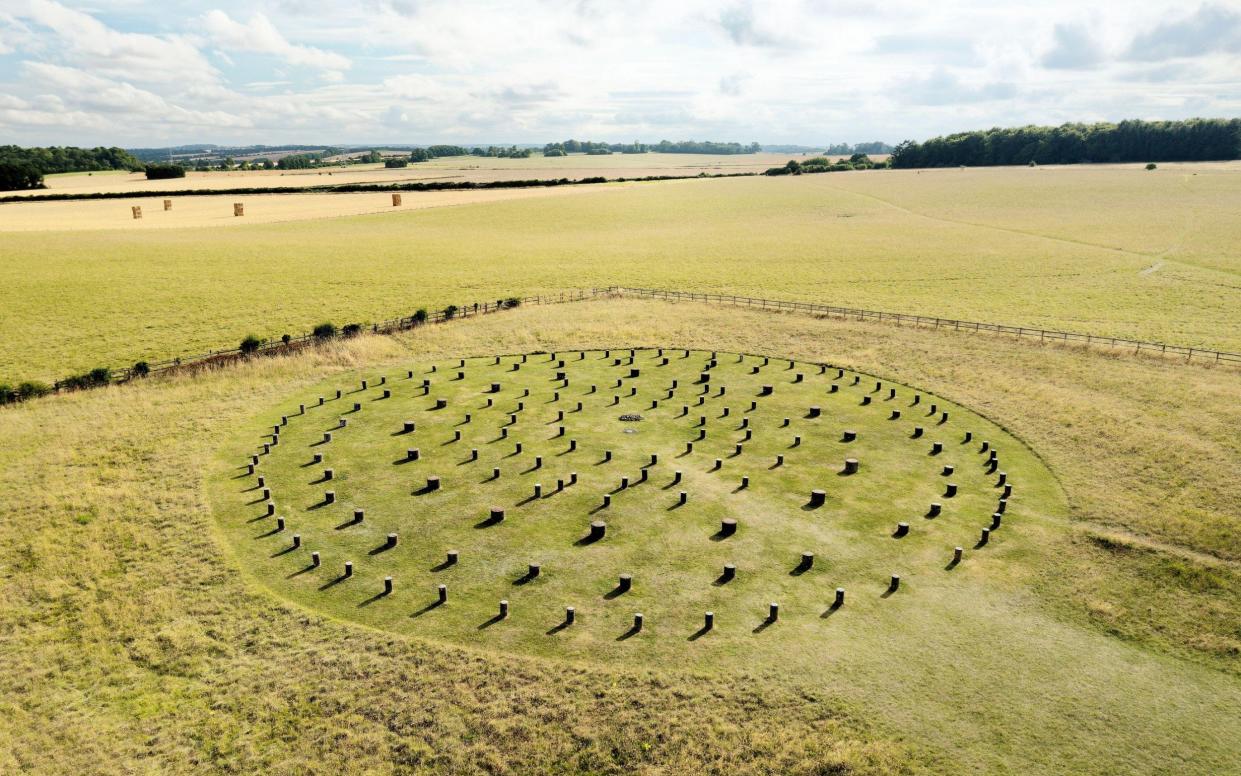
(704, 630)
(488, 623)
(428, 608)
(373, 599)
(333, 582)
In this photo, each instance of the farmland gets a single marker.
(1094, 631)
(452, 169)
(1109, 250)
(1098, 633)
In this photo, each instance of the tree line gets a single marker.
(662, 147)
(823, 164)
(24, 168)
(1191, 140)
(844, 149)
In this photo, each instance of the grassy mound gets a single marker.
(669, 483)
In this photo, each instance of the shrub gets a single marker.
(395, 163)
(7, 394)
(162, 171)
(250, 344)
(1151, 165)
(31, 390)
(286, 339)
(325, 331)
(450, 312)
(420, 316)
(512, 301)
(140, 369)
(352, 329)
(92, 379)
(20, 175)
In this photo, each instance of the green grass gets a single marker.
(673, 552)
(1096, 639)
(1050, 248)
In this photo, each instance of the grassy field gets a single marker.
(1099, 636)
(76, 300)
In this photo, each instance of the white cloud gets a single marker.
(1074, 49)
(82, 40)
(482, 71)
(260, 36)
(1212, 28)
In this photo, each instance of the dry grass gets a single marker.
(76, 300)
(193, 212)
(131, 644)
(458, 169)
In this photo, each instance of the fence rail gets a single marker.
(474, 309)
(1196, 355)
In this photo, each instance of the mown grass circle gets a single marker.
(476, 500)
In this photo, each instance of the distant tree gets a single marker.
(325, 331)
(450, 312)
(419, 155)
(19, 175)
(351, 329)
(396, 163)
(163, 171)
(420, 316)
(1128, 141)
(140, 369)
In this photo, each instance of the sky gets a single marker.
(140, 73)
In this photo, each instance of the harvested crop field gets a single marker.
(217, 211)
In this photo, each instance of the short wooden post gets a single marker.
(238, 209)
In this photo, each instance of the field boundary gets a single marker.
(290, 343)
(354, 188)
(1194, 355)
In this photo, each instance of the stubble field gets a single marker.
(1115, 251)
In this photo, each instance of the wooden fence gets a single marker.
(1196, 355)
(464, 311)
